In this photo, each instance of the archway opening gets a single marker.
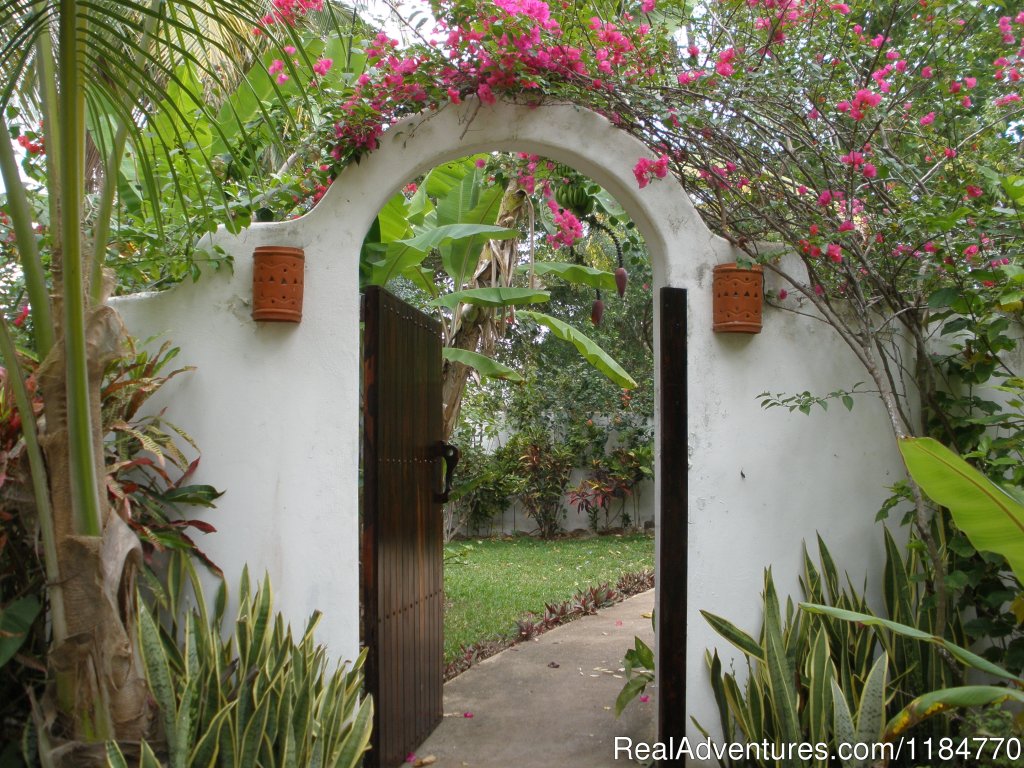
(488, 244)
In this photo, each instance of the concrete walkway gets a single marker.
(551, 701)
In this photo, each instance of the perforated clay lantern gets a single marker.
(738, 298)
(277, 283)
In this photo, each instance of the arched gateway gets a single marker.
(274, 406)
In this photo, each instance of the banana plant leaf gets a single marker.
(578, 274)
(586, 346)
(492, 297)
(468, 203)
(402, 254)
(392, 220)
(482, 364)
(442, 179)
(991, 518)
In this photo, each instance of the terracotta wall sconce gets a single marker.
(738, 298)
(277, 283)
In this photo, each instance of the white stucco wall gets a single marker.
(274, 407)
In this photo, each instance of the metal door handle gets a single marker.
(451, 456)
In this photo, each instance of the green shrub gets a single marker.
(257, 697)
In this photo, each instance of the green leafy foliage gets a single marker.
(639, 666)
(492, 297)
(544, 466)
(244, 692)
(483, 365)
(579, 274)
(586, 346)
(817, 676)
(16, 619)
(991, 518)
(147, 481)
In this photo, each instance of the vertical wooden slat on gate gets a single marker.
(402, 548)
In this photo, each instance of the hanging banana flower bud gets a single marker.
(621, 278)
(597, 311)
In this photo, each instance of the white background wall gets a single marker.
(274, 407)
(639, 507)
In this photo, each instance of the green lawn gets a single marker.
(491, 583)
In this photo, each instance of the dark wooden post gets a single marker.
(670, 615)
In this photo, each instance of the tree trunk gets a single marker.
(98, 690)
(477, 328)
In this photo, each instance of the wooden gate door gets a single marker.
(402, 587)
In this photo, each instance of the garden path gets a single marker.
(550, 701)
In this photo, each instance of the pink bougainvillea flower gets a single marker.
(645, 169)
(783, 293)
(949, 152)
(835, 252)
(289, 49)
(486, 94)
(322, 66)
(926, 72)
(970, 250)
(973, 191)
(842, 8)
(647, 6)
(467, 715)
(282, 78)
(970, 82)
(869, 171)
(1009, 98)
(275, 66)
(846, 226)
(411, 757)
(927, 119)
(22, 316)
(644, 698)
(724, 66)
(825, 198)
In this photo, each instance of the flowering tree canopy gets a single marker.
(877, 140)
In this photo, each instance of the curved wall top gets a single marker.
(674, 233)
